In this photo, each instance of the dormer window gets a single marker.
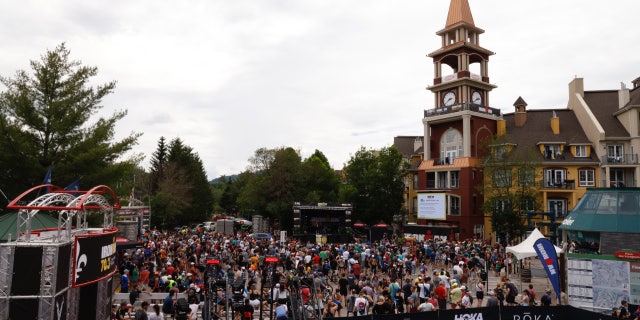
(581, 151)
(552, 152)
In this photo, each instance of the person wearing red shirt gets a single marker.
(441, 295)
(144, 277)
(356, 270)
(170, 269)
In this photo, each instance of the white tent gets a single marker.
(525, 248)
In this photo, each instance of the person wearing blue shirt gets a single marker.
(281, 312)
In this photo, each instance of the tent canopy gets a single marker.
(525, 248)
(8, 224)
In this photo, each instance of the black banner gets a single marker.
(26, 309)
(470, 314)
(534, 313)
(64, 261)
(60, 309)
(94, 257)
(88, 303)
(27, 270)
(494, 313)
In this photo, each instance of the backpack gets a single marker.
(247, 315)
(513, 290)
(182, 308)
(362, 308)
(470, 299)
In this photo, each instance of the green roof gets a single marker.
(8, 224)
(606, 210)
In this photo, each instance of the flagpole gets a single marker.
(5, 196)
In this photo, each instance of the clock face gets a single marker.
(476, 97)
(449, 98)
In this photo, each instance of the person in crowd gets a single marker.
(156, 314)
(141, 314)
(492, 300)
(545, 300)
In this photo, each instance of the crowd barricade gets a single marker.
(152, 298)
(495, 313)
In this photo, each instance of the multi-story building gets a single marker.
(412, 151)
(457, 125)
(562, 161)
(591, 143)
(611, 119)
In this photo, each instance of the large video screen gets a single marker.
(432, 206)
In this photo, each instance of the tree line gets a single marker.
(50, 119)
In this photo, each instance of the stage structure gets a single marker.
(63, 272)
(318, 221)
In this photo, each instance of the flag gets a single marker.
(547, 254)
(74, 186)
(131, 197)
(47, 179)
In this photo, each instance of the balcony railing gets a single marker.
(442, 184)
(460, 107)
(558, 184)
(621, 159)
(443, 161)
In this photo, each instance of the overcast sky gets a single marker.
(231, 76)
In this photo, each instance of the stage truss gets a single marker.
(70, 206)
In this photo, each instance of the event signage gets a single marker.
(213, 262)
(432, 206)
(549, 258)
(94, 256)
(271, 259)
(627, 255)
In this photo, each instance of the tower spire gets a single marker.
(459, 12)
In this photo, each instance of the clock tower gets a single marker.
(461, 64)
(456, 129)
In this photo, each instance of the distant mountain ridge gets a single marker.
(232, 177)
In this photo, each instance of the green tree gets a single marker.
(158, 163)
(319, 180)
(184, 194)
(45, 122)
(375, 184)
(509, 186)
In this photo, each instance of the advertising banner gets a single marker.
(95, 257)
(549, 258)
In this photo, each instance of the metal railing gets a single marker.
(465, 106)
(620, 159)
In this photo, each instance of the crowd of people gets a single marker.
(329, 280)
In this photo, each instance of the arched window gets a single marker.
(450, 145)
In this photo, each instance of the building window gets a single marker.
(552, 152)
(581, 151)
(502, 178)
(500, 152)
(616, 178)
(414, 208)
(415, 181)
(454, 205)
(586, 177)
(442, 180)
(554, 178)
(450, 146)
(528, 204)
(431, 180)
(500, 205)
(615, 153)
(526, 176)
(454, 179)
(557, 206)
